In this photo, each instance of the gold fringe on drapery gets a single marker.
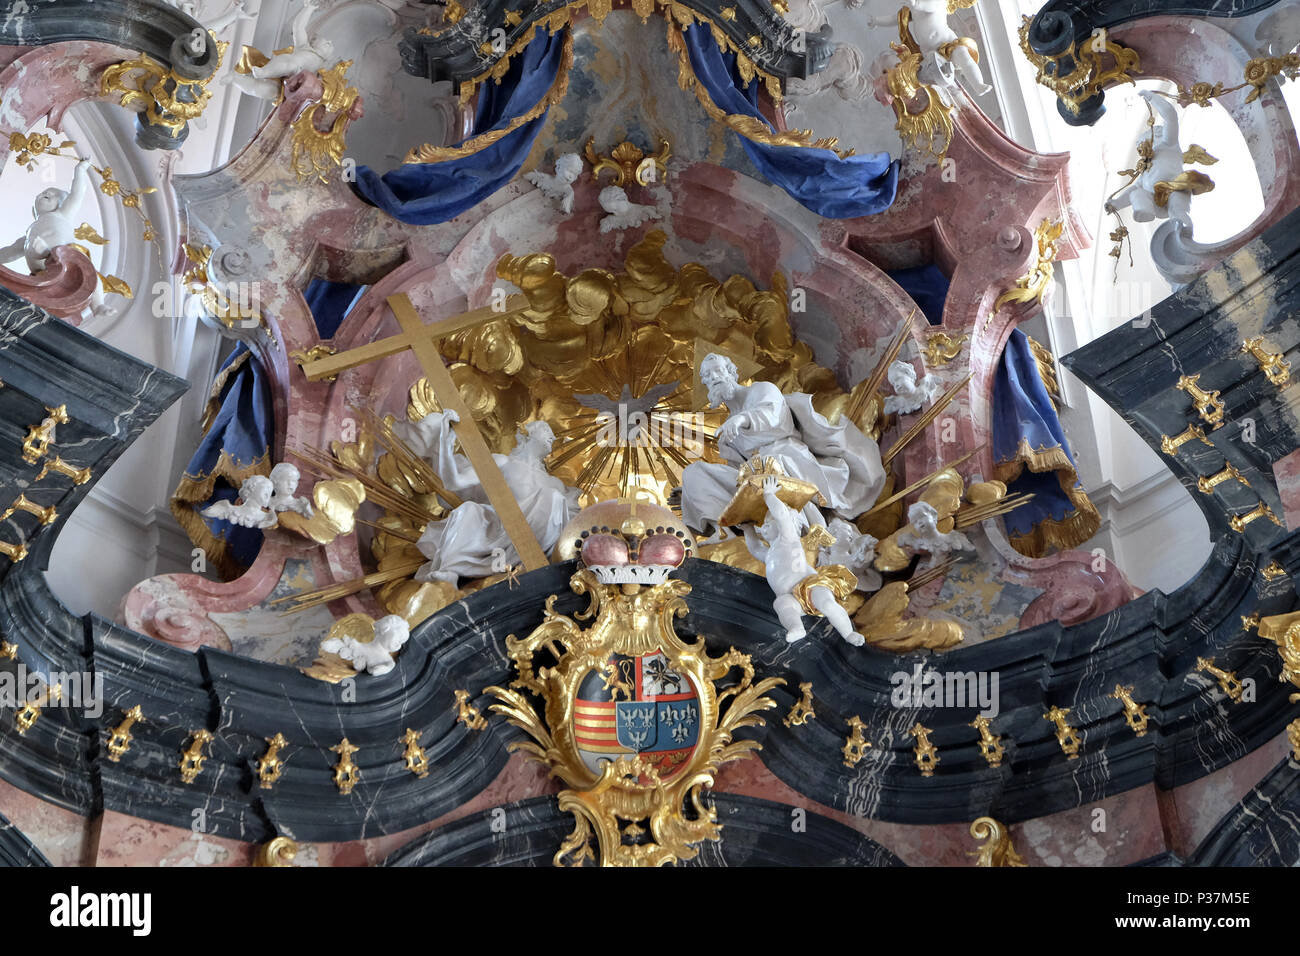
(1051, 534)
(429, 153)
(751, 127)
(192, 490)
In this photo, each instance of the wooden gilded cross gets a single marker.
(422, 340)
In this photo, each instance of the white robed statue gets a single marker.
(839, 459)
(472, 541)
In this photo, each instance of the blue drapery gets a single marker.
(240, 437)
(818, 178)
(928, 287)
(1031, 454)
(427, 193)
(236, 445)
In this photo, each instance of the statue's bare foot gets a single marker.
(856, 639)
(793, 635)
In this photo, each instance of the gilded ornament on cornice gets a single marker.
(941, 348)
(1089, 74)
(146, 86)
(629, 784)
(317, 151)
(629, 163)
(1033, 285)
(997, 849)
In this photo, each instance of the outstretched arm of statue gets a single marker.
(456, 472)
(778, 508)
(301, 38)
(80, 184)
(15, 250)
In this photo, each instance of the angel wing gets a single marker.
(222, 510)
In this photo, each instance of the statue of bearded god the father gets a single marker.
(842, 462)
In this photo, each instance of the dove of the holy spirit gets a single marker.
(632, 420)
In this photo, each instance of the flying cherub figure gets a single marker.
(927, 21)
(623, 213)
(376, 657)
(1164, 188)
(922, 532)
(308, 54)
(284, 481)
(799, 587)
(53, 222)
(909, 394)
(560, 186)
(253, 510)
(854, 550)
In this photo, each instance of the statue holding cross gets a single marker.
(422, 340)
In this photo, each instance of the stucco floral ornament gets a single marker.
(632, 719)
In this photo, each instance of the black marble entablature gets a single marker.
(456, 53)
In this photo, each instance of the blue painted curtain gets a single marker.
(427, 193)
(239, 436)
(831, 186)
(1031, 454)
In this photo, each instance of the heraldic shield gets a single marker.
(650, 709)
(631, 718)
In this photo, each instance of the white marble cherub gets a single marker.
(284, 482)
(623, 213)
(560, 186)
(853, 550)
(932, 33)
(309, 53)
(376, 657)
(53, 222)
(799, 587)
(253, 510)
(909, 393)
(922, 532)
(1162, 174)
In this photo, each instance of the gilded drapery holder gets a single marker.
(1135, 714)
(1227, 680)
(1208, 404)
(990, 744)
(192, 757)
(1275, 368)
(1170, 446)
(802, 710)
(1207, 483)
(927, 754)
(346, 772)
(119, 741)
(79, 476)
(31, 711)
(1238, 522)
(14, 552)
(856, 744)
(270, 766)
(416, 760)
(39, 436)
(1066, 735)
(467, 713)
(46, 515)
